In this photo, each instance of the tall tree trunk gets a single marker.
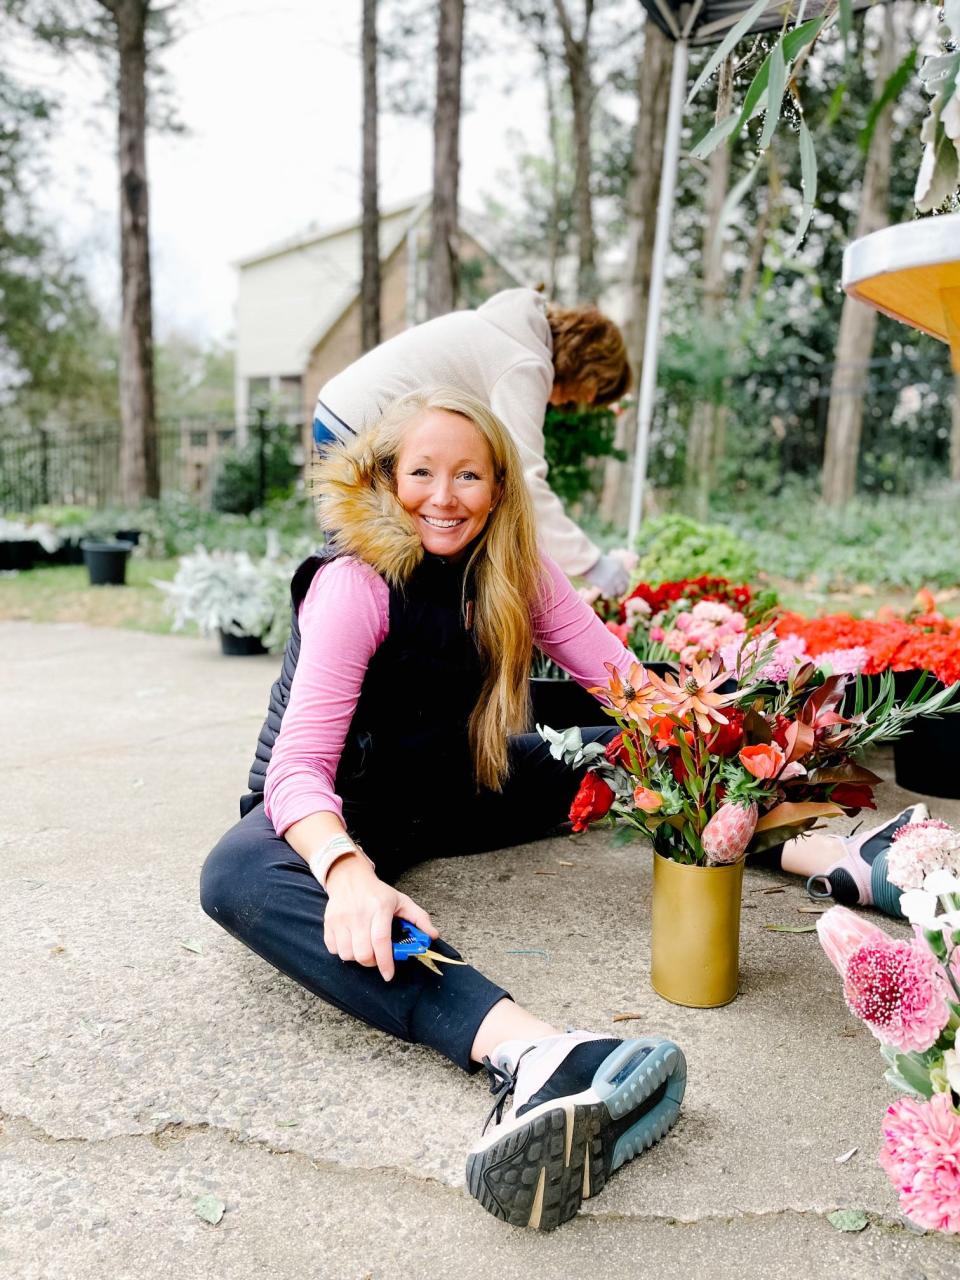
(444, 257)
(653, 89)
(576, 55)
(707, 417)
(139, 464)
(370, 226)
(858, 322)
(955, 431)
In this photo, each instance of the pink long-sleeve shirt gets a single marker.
(344, 619)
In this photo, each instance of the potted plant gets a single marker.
(23, 543)
(246, 601)
(709, 776)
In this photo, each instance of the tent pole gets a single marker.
(661, 247)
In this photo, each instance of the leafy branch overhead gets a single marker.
(779, 75)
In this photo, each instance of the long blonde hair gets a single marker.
(504, 564)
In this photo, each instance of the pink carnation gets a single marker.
(712, 611)
(921, 1157)
(844, 662)
(919, 848)
(900, 992)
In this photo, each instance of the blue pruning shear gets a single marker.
(414, 944)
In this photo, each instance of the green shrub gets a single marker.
(674, 546)
(884, 541)
(574, 439)
(237, 487)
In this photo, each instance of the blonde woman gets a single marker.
(396, 732)
(517, 353)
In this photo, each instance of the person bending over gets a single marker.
(396, 733)
(517, 354)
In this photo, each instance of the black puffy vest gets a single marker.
(409, 729)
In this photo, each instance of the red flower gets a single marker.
(591, 802)
(853, 795)
(616, 751)
(729, 736)
(783, 723)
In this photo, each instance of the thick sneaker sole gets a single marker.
(538, 1172)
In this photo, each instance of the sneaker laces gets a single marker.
(502, 1085)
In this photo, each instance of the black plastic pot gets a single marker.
(129, 535)
(563, 703)
(106, 562)
(240, 646)
(18, 554)
(927, 758)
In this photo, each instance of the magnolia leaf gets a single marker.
(848, 1219)
(728, 42)
(789, 812)
(846, 772)
(791, 928)
(757, 728)
(209, 1208)
(775, 90)
(799, 740)
(623, 835)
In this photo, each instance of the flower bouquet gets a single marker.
(710, 776)
(907, 991)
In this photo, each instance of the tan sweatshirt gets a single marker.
(502, 354)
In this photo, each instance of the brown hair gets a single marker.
(589, 352)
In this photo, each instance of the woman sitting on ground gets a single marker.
(396, 733)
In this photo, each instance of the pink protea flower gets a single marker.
(842, 932)
(919, 848)
(899, 990)
(729, 831)
(921, 1157)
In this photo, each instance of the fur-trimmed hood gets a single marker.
(362, 516)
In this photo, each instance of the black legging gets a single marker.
(262, 892)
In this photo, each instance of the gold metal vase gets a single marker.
(695, 947)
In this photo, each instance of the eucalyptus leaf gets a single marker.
(209, 1208)
(808, 179)
(729, 41)
(775, 90)
(713, 137)
(848, 1219)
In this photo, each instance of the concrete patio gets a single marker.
(147, 1059)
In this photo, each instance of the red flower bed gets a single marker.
(737, 595)
(928, 642)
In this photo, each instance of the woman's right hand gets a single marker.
(358, 923)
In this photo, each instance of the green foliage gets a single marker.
(575, 438)
(882, 541)
(673, 546)
(237, 488)
(54, 357)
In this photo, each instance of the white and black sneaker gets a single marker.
(583, 1105)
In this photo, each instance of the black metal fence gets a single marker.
(80, 466)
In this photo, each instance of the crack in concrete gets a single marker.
(172, 1133)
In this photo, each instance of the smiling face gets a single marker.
(445, 480)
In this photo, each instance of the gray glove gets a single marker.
(609, 577)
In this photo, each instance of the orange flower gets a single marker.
(647, 800)
(694, 694)
(765, 760)
(636, 697)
